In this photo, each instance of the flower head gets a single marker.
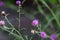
(35, 22)
(43, 34)
(2, 23)
(18, 2)
(3, 13)
(53, 36)
(32, 31)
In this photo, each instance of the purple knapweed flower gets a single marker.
(18, 2)
(43, 34)
(35, 22)
(1, 3)
(53, 36)
(2, 23)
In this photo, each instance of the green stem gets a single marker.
(19, 16)
(9, 22)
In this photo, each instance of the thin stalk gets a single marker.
(19, 17)
(40, 28)
(9, 22)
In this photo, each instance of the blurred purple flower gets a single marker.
(53, 36)
(43, 34)
(35, 22)
(18, 2)
(2, 23)
(1, 3)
